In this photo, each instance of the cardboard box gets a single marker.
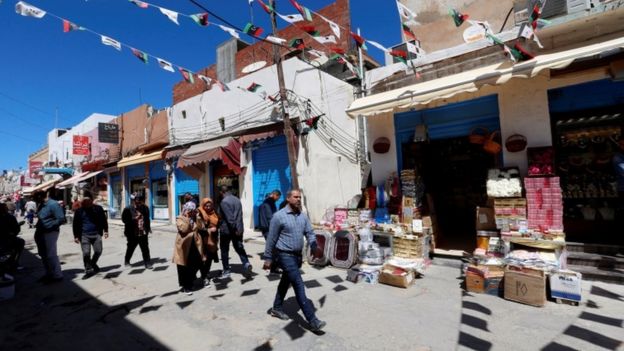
(565, 285)
(485, 279)
(396, 276)
(485, 218)
(525, 286)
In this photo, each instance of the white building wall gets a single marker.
(326, 178)
(60, 148)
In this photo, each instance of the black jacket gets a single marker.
(231, 213)
(130, 225)
(96, 215)
(265, 213)
(9, 228)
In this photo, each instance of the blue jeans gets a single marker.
(290, 265)
(237, 242)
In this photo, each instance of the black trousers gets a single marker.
(187, 274)
(142, 242)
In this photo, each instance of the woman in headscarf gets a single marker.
(188, 253)
(206, 225)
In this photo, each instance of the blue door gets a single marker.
(184, 183)
(270, 170)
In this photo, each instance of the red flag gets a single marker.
(359, 41)
(298, 7)
(337, 50)
(268, 9)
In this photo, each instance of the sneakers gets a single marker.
(127, 264)
(148, 266)
(225, 274)
(188, 292)
(247, 271)
(207, 282)
(317, 325)
(278, 314)
(96, 269)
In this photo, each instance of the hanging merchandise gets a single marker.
(458, 18)
(492, 146)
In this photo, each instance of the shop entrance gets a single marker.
(454, 172)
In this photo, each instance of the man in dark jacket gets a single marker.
(90, 224)
(9, 241)
(265, 213)
(50, 216)
(136, 219)
(232, 228)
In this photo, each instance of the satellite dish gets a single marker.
(253, 67)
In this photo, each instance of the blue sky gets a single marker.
(43, 70)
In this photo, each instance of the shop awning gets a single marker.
(139, 158)
(43, 186)
(224, 149)
(173, 153)
(88, 176)
(71, 181)
(67, 171)
(423, 93)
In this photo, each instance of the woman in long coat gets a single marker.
(207, 225)
(188, 253)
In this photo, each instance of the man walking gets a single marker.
(31, 209)
(136, 219)
(232, 228)
(50, 217)
(285, 243)
(90, 224)
(265, 213)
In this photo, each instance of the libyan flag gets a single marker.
(310, 30)
(458, 17)
(399, 55)
(297, 43)
(312, 122)
(359, 41)
(520, 54)
(254, 87)
(338, 58)
(252, 30)
(68, 26)
(201, 19)
(140, 55)
(407, 31)
(188, 75)
(267, 8)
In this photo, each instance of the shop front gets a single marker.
(159, 190)
(184, 184)
(587, 123)
(116, 195)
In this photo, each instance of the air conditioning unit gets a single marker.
(552, 8)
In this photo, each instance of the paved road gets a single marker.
(136, 309)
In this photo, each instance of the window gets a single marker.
(183, 114)
(160, 193)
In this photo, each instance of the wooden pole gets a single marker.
(288, 132)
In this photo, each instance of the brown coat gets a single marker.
(211, 241)
(183, 247)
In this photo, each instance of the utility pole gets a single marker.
(288, 132)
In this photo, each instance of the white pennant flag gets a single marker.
(275, 40)
(173, 16)
(206, 80)
(326, 39)
(407, 14)
(291, 18)
(334, 27)
(111, 42)
(26, 9)
(529, 33)
(167, 66)
(316, 53)
(230, 30)
(378, 46)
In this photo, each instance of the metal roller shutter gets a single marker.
(270, 170)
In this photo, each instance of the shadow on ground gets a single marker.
(62, 316)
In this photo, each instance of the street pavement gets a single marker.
(130, 308)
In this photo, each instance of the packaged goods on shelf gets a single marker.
(504, 183)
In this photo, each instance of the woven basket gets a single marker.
(492, 146)
(408, 247)
(516, 143)
(478, 135)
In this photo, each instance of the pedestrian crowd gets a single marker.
(203, 232)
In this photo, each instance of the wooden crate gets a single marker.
(409, 246)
